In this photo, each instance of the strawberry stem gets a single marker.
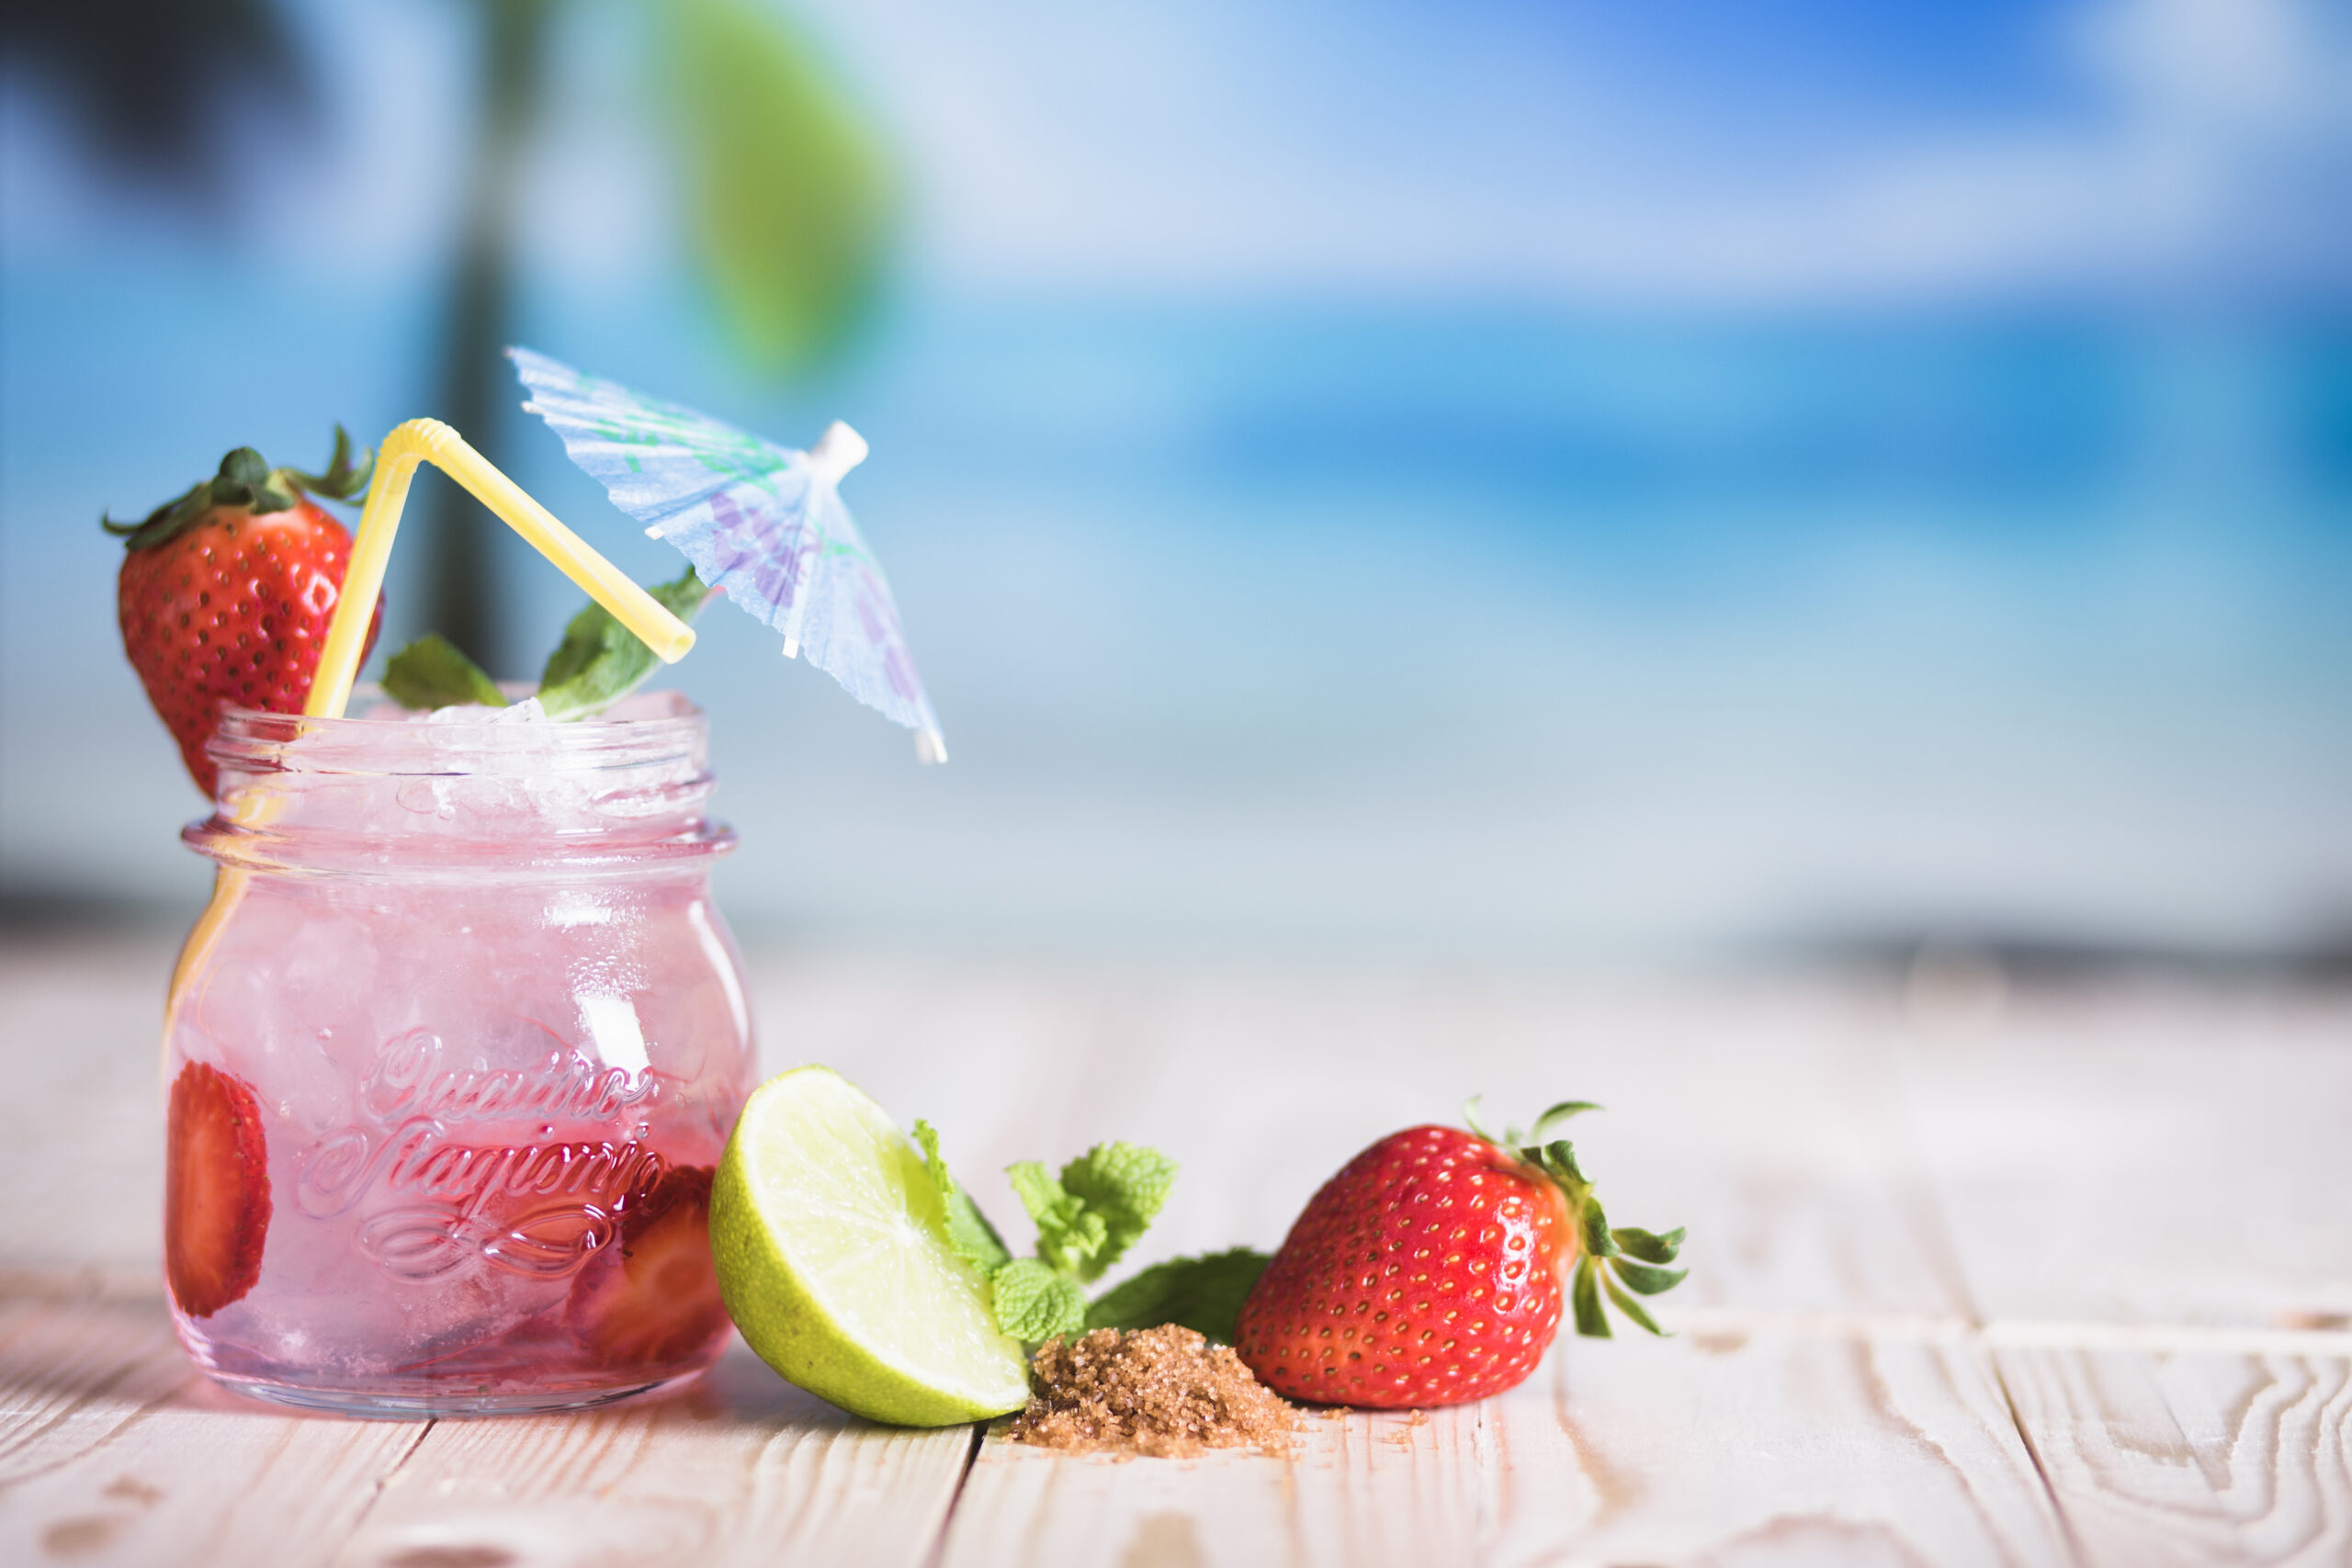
(1624, 1262)
(344, 478)
(246, 479)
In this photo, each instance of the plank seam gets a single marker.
(938, 1551)
(2034, 1455)
(376, 1493)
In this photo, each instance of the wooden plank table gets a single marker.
(2060, 1279)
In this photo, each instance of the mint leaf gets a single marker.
(1203, 1293)
(1101, 1206)
(1125, 1184)
(600, 661)
(1034, 1303)
(432, 672)
(969, 1230)
(1068, 1235)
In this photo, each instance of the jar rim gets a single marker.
(388, 792)
(648, 728)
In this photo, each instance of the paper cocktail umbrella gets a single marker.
(762, 523)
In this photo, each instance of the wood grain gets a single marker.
(1368, 1489)
(1719, 1450)
(1765, 1116)
(2192, 1460)
(2152, 1154)
(1768, 1122)
(2033, 1286)
(2133, 1180)
(1772, 1448)
(113, 1449)
(739, 1468)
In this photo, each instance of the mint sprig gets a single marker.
(1101, 1204)
(1087, 1219)
(969, 1230)
(1035, 1302)
(599, 661)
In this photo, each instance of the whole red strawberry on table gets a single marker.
(1431, 1269)
(226, 592)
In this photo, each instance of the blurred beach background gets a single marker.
(1547, 484)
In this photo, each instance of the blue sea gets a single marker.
(1471, 629)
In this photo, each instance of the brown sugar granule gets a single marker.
(1165, 1392)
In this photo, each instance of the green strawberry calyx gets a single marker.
(246, 479)
(1624, 1262)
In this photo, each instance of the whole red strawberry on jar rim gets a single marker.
(226, 592)
(1431, 1269)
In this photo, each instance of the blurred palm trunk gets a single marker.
(462, 599)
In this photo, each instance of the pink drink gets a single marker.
(449, 1078)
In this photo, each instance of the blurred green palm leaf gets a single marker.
(789, 196)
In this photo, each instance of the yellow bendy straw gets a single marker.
(429, 440)
(421, 441)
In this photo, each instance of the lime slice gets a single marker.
(832, 1254)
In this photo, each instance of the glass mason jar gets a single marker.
(450, 1061)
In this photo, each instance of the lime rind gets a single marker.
(834, 1260)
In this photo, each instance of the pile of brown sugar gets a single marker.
(1165, 1392)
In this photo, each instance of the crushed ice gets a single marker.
(528, 711)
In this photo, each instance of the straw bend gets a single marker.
(430, 441)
